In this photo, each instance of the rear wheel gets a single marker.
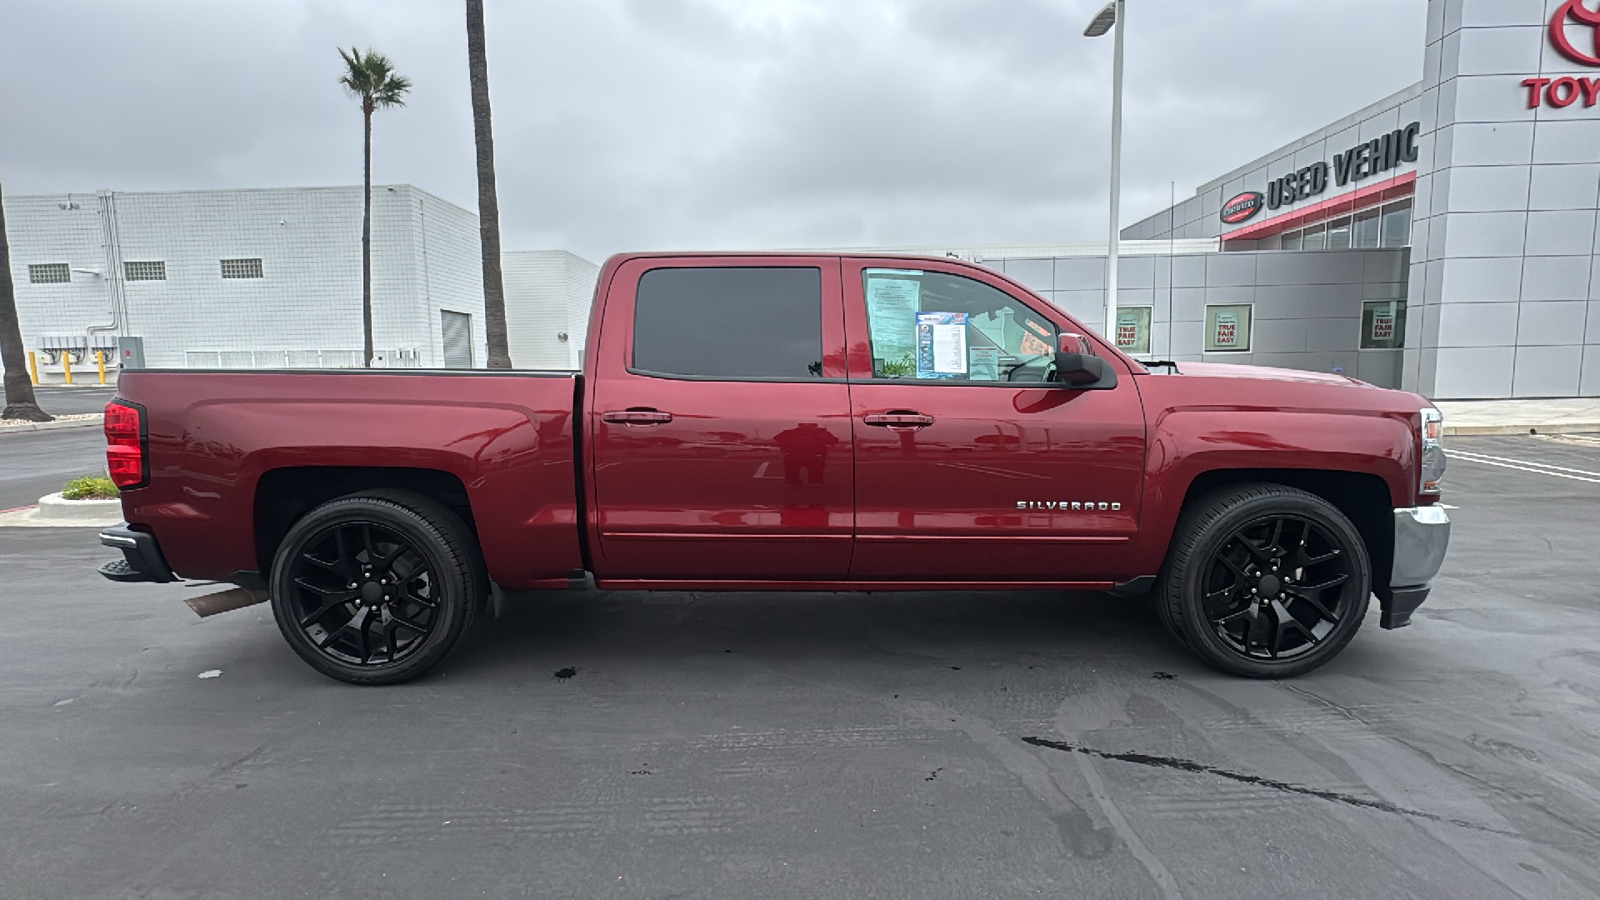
(376, 588)
(1265, 581)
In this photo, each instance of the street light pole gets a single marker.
(1112, 18)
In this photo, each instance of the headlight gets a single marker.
(1433, 461)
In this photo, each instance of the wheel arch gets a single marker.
(284, 495)
(1364, 499)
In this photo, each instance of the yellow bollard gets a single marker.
(100, 360)
(66, 365)
(33, 366)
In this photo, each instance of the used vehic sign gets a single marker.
(1243, 207)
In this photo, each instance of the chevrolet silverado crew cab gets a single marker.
(788, 422)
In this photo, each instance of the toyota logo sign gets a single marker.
(1574, 11)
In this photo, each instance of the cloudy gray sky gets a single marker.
(637, 124)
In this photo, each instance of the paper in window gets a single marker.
(942, 345)
(892, 300)
(983, 363)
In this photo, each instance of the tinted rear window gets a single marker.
(731, 323)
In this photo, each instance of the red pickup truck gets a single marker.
(788, 422)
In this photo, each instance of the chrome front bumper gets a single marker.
(1421, 537)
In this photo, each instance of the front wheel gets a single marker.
(378, 588)
(1265, 581)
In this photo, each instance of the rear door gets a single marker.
(720, 421)
(971, 465)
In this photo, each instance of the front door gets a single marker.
(720, 421)
(971, 465)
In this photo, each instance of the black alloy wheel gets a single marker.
(363, 594)
(1265, 580)
(1278, 587)
(376, 589)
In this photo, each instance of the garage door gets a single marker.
(457, 330)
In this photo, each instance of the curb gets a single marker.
(52, 426)
(1547, 428)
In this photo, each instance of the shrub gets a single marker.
(90, 487)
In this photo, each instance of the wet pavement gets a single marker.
(824, 745)
(35, 463)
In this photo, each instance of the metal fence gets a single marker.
(300, 359)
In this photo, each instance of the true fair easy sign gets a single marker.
(1572, 19)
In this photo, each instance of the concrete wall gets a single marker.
(448, 260)
(1307, 305)
(548, 293)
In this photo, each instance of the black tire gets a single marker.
(377, 587)
(1264, 580)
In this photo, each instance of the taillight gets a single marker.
(125, 445)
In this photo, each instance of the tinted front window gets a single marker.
(729, 323)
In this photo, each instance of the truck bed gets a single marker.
(235, 456)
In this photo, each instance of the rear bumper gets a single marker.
(141, 557)
(1421, 537)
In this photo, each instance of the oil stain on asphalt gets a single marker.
(1189, 765)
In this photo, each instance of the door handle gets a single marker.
(636, 417)
(898, 419)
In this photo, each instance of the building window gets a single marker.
(1370, 229)
(1339, 234)
(50, 273)
(1383, 324)
(1365, 234)
(1228, 328)
(1397, 224)
(1133, 330)
(242, 268)
(729, 323)
(145, 271)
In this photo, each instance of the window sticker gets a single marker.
(893, 296)
(942, 345)
(983, 363)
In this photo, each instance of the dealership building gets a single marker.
(271, 278)
(1442, 239)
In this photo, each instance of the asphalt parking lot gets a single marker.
(750, 745)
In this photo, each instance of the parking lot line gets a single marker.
(1522, 465)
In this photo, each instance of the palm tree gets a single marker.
(372, 80)
(494, 292)
(20, 401)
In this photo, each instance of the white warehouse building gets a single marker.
(271, 278)
(548, 293)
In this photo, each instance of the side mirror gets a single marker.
(1078, 367)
